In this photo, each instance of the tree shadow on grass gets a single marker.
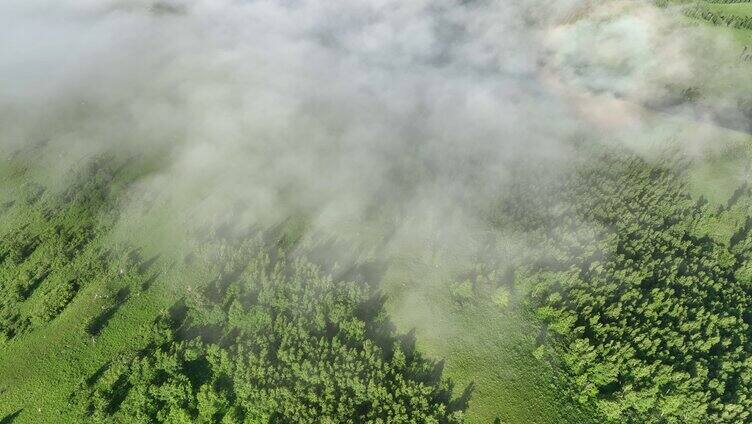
(10, 418)
(462, 402)
(100, 321)
(147, 264)
(5, 207)
(34, 283)
(147, 283)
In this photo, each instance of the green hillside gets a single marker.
(83, 296)
(604, 275)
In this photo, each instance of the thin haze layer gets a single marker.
(337, 110)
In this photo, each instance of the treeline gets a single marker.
(734, 21)
(650, 315)
(271, 339)
(727, 1)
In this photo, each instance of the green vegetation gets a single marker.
(63, 282)
(259, 337)
(516, 387)
(621, 292)
(93, 315)
(733, 16)
(730, 15)
(653, 319)
(629, 303)
(272, 341)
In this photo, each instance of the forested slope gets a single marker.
(257, 336)
(271, 341)
(652, 315)
(640, 291)
(385, 261)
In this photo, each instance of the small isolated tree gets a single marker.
(501, 297)
(461, 291)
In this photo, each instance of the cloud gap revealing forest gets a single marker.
(377, 211)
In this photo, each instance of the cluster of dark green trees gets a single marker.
(648, 312)
(271, 339)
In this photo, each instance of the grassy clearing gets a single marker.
(485, 347)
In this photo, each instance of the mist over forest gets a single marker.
(306, 211)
